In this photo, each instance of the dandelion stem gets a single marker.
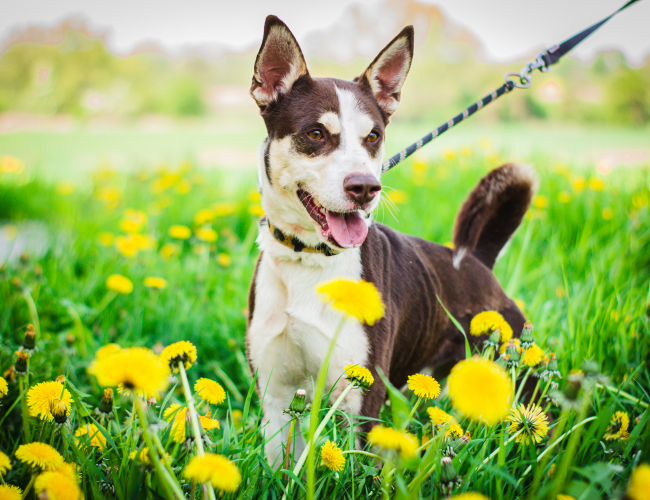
(309, 446)
(29, 486)
(287, 451)
(521, 385)
(491, 456)
(415, 407)
(624, 394)
(196, 427)
(23, 405)
(360, 452)
(169, 484)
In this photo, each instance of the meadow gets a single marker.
(163, 253)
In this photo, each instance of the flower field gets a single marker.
(123, 303)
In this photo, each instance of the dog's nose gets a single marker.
(362, 188)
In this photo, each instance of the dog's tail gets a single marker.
(492, 213)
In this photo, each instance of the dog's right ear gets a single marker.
(278, 65)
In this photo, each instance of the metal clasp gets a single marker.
(526, 74)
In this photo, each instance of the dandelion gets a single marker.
(216, 469)
(596, 184)
(40, 455)
(105, 407)
(155, 282)
(454, 430)
(106, 239)
(639, 486)
(119, 284)
(223, 259)
(179, 352)
(179, 232)
(136, 368)
(206, 234)
(5, 464)
(169, 250)
(531, 420)
(359, 299)
(177, 416)
(391, 439)
(564, 197)
(4, 387)
(41, 397)
(480, 389)
(210, 391)
(486, 322)
(332, 457)
(22, 359)
(107, 350)
(256, 210)
(57, 486)
(10, 492)
(439, 417)
(561, 496)
(204, 216)
(618, 426)
(532, 356)
(126, 246)
(470, 495)
(578, 184)
(424, 386)
(540, 202)
(397, 196)
(607, 213)
(94, 435)
(359, 375)
(224, 208)
(512, 342)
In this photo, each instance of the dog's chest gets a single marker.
(292, 328)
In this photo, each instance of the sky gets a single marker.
(508, 29)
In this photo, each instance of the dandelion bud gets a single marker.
(21, 362)
(590, 368)
(298, 403)
(552, 363)
(29, 343)
(17, 283)
(503, 361)
(495, 337)
(60, 379)
(106, 404)
(573, 386)
(69, 340)
(24, 258)
(10, 374)
(527, 338)
(38, 270)
(59, 410)
(448, 472)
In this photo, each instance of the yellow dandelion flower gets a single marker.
(607, 213)
(486, 322)
(564, 197)
(204, 216)
(39, 455)
(206, 234)
(210, 391)
(531, 419)
(454, 430)
(470, 495)
(504, 346)
(481, 390)
(397, 196)
(179, 232)
(223, 259)
(596, 184)
(4, 388)
(106, 239)
(119, 284)
(359, 375)
(359, 299)
(618, 426)
(224, 208)
(57, 486)
(169, 250)
(107, 350)
(533, 356)
(142, 456)
(126, 246)
(94, 435)
(10, 492)
(178, 417)
(561, 496)
(439, 417)
(136, 368)
(223, 474)
(141, 394)
(155, 282)
(578, 184)
(179, 352)
(332, 457)
(5, 464)
(43, 395)
(540, 201)
(639, 486)
(391, 439)
(70, 470)
(424, 386)
(256, 210)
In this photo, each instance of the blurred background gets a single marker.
(125, 83)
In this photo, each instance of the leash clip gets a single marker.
(526, 73)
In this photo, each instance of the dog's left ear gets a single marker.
(386, 74)
(278, 65)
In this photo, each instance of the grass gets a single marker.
(579, 265)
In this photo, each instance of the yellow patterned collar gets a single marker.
(298, 246)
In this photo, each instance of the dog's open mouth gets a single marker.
(344, 229)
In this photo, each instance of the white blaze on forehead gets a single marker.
(331, 122)
(355, 123)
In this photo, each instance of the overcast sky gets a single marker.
(509, 29)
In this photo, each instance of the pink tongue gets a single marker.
(348, 230)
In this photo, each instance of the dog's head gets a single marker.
(320, 174)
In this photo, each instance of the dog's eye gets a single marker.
(372, 137)
(315, 134)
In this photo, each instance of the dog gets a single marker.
(319, 178)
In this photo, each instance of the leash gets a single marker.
(542, 63)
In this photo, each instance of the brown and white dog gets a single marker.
(319, 175)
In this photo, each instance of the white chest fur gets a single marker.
(292, 328)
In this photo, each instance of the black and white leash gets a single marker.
(543, 62)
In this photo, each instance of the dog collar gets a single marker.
(298, 246)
